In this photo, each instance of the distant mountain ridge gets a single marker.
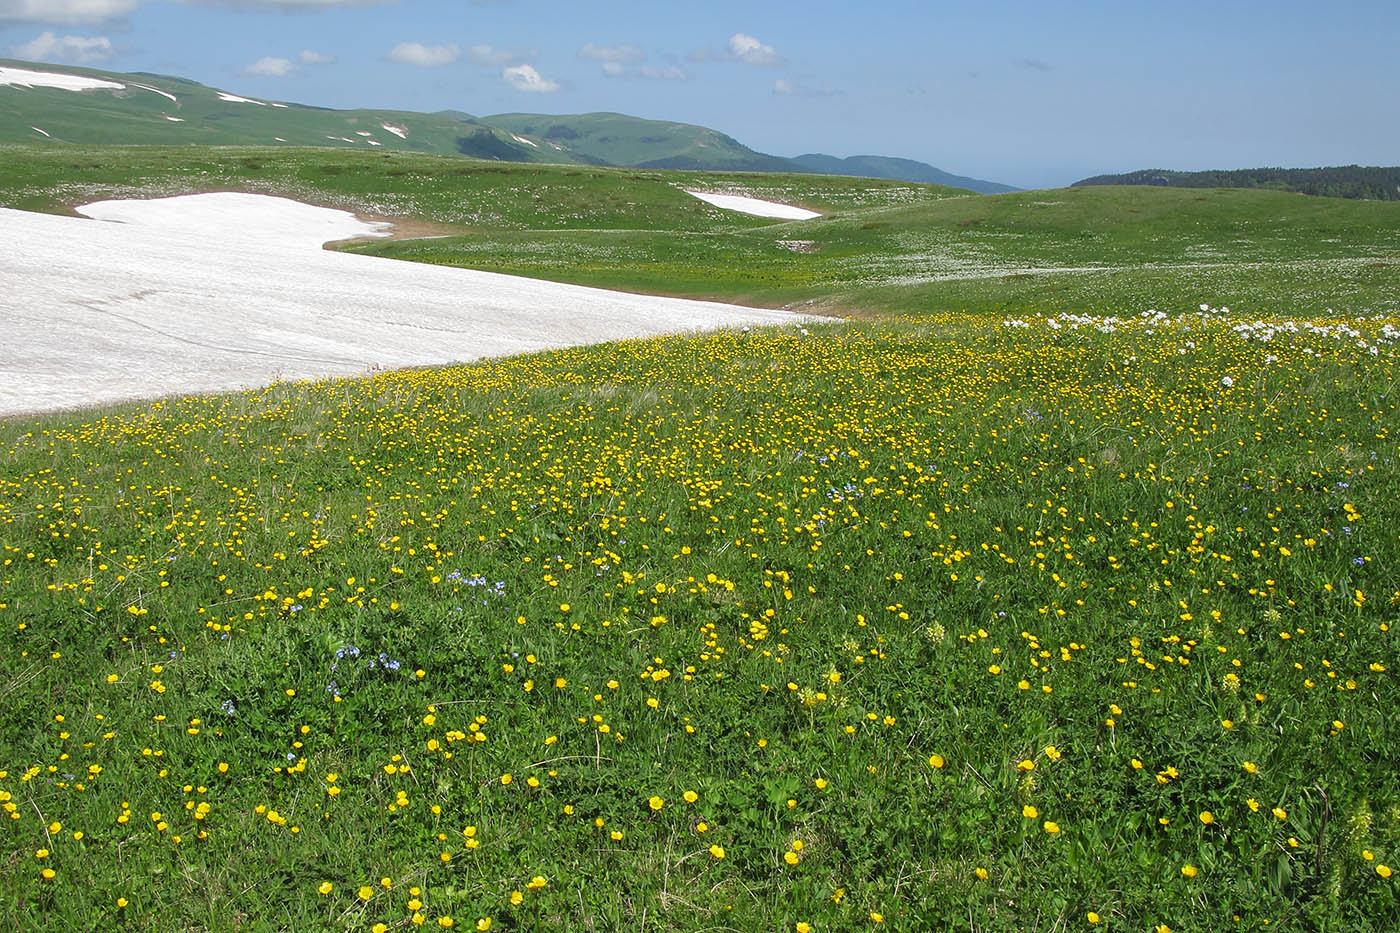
(1375, 183)
(152, 109)
(899, 169)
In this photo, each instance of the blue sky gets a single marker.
(1028, 93)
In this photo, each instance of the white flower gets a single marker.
(1226, 381)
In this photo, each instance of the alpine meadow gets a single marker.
(1042, 576)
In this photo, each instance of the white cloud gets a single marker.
(526, 78)
(747, 49)
(647, 72)
(64, 12)
(270, 67)
(46, 47)
(313, 57)
(612, 53)
(424, 56)
(795, 89)
(496, 58)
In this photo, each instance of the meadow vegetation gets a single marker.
(1074, 609)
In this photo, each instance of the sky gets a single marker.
(1032, 93)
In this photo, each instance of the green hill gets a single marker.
(1372, 183)
(903, 169)
(162, 110)
(617, 139)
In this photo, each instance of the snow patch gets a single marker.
(235, 99)
(173, 119)
(40, 132)
(22, 77)
(156, 90)
(279, 106)
(754, 206)
(363, 133)
(217, 292)
(279, 139)
(398, 131)
(522, 139)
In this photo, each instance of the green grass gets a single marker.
(782, 571)
(844, 584)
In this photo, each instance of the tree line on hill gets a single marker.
(1375, 183)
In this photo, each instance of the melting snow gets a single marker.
(174, 119)
(235, 99)
(398, 131)
(39, 131)
(21, 77)
(216, 292)
(754, 206)
(363, 133)
(156, 90)
(279, 106)
(522, 139)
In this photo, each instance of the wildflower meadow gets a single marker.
(1000, 622)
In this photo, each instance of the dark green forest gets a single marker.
(1376, 183)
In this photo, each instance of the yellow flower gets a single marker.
(1051, 827)
(981, 874)
(1207, 817)
(1280, 813)
(1092, 917)
(1190, 871)
(717, 851)
(821, 783)
(1029, 812)
(121, 902)
(690, 796)
(506, 778)
(791, 858)
(656, 803)
(365, 892)
(1383, 870)
(445, 922)
(876, 917)
(803, 927)
(49, 874)
(1025, 764)
(483, 924)
(936, 761)
(1250, 767)
(326, 887)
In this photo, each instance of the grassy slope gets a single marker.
(1265, 252)
(842, 585)
(618, 139)
(138, 116)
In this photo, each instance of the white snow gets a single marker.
(156, 90)
(217, 292)
(174, 119)
(39, 131)
(22, 77)
(279, 139)
(363, 133)
(754, 206)
(398, 131)
(279, 106)
(374, 142)
(235, 99)
(522, 139)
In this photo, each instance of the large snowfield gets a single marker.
(218, 292)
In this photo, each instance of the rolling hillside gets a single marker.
(903, 169)
(72, 104)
